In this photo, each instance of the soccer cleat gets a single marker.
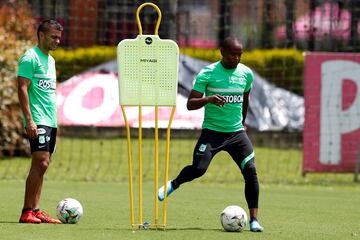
(256, 227)
(45, 218)
(29, 217)
(169, 190)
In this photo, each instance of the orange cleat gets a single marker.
(29, 217)
(45, 218)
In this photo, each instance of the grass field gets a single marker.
(79, 159)
(287, 212)
(319, 206)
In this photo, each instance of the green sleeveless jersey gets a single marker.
(40, 69)
(229, 83)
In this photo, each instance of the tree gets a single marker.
(16, 36)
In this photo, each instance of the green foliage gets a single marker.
(70, 62)
(15, 38)
(283, 67)
(211, 55)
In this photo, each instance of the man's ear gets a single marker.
(222, 51)
(41, 35)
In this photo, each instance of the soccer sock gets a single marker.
(174, 184)
(253, 219)
(251, 186)
(25, 210)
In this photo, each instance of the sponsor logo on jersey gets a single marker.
(233, 98)
(47, 84)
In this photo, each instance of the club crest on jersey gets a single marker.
(236, 80)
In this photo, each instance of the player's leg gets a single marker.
(241, 150)
(39, 164)
(252, 194)
(41, 149)
(43, 216)
(202, 155)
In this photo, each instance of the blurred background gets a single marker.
(277, 35)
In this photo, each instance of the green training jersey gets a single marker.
(229, 83)
(40, 69)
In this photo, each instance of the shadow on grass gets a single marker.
(193, 229)
(168, 229)
(17, 222)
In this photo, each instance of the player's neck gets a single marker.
(44, 50)
(224, 65)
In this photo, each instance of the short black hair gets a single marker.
(46, 24)
(228, 41)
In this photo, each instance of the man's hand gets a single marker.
(31, 129)
(217, 100)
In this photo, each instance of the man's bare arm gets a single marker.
(23, 84)
(196, 100)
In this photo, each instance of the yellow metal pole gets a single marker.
(156, 125)
(156, 185)
(129, 166)
(166, 175)
(157, 22)
(140, 165)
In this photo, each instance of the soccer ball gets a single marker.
(233, 219)
(69, 210)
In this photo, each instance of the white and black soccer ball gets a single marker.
(69, 210)
(233, 218)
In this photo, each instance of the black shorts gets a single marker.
(46, 140)
(237, 144)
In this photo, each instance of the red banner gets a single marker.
(331, 140)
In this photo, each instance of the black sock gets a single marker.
(25, 210)
(36, 209)
(174, 184)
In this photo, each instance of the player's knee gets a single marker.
(198, 171)
(250, 172)
(41, 164)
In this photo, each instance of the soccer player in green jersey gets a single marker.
(226, 85)
(37, 97)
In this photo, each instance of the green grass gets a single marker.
(287, 212)
(319, 206)
(105, 160)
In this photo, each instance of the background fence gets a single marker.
(91, 153)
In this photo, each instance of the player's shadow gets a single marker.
(8, 222)
(194, 229)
